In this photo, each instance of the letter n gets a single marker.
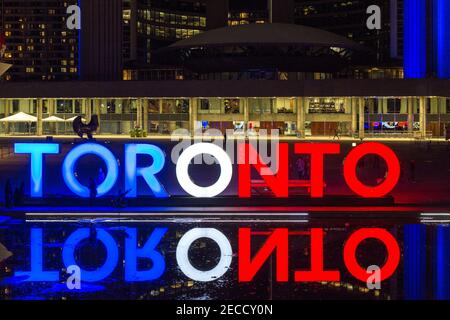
(278, 183)
(277, 241)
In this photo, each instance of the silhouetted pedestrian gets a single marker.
(301, 167)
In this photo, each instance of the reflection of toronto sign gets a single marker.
(249, 262)
(247, 158)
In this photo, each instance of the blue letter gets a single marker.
(148, 251)
(37, 151)
(71, 159)
(112, 254)
(148, 173)
(37, 273)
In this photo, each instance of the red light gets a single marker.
(317, 273)
(392, 176)
(248, 267)
(317, 152)
(384, 236)
(278, 182)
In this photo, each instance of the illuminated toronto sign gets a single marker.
(249, 262)
(248, 158)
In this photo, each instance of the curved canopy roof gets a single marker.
(267, 34)
(272, 46)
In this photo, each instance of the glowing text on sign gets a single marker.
(278, 182)
(249, 262)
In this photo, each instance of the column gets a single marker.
(434, 105)
(403, 105)
(145, 115)
(52, 111)
(39, 128)
(97, 111)
(410, 115)
(354, 116)
(139, 113)
(160, 103)
(88, 109)
(246, 113)
(8, 109)
(51, 104)
(193, 107)
(361, 117)
(423, 115)
(301, 117)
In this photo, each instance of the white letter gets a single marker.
(226, 170)
(74, 20)
(373, 281)
(74, 281)
(374, 21)
(183, 258)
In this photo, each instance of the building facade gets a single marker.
(354, 108)
(38, 43)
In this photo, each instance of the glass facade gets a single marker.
(38, 43)
(315, 116)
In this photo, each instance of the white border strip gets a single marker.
(161, 214)
(166, 221)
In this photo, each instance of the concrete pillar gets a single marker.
(8, 110)
(193, 109)
(354, 116)
(403, 105)
(139, 113)
(423, 117)
(301, 117)
(410, 115)
(434, 107)
(88, 109)
(442, 105)
(39, 128)
(361, 117)
(145, 115)
(160, 102)
(97, 111)
(246, 109)
(382, 105)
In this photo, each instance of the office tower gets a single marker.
(38, 43)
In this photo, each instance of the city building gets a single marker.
(100, 41)
(151, 25)
(38, 43)
(348, 18)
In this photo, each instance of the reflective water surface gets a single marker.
(115, 253)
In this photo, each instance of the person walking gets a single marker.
(301, 167)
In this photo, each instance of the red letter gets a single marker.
(317, 273)
(277, 183)
(317, 152)
(393, 253)
(277, 241)
(392, 176)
